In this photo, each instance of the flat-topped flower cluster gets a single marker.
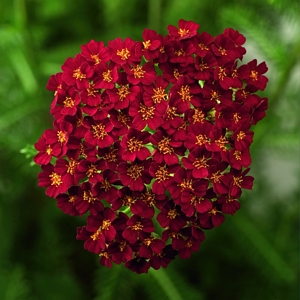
(151, 141)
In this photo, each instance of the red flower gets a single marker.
(135, 174)
(66, 201)
(166, 149)
(52, 181)
(155, 94)
(150, 47)
(198, 161)
(187, 92)
(211, 218)
(171, 216)
(90, 170)
(242, 138)
(59, 136)
(236, 180)
(200, 204)
(202, 43)
(183, 186)
(198, 135)
(137, 225)
(229, 204)
(134, 145)
(138, 265)
(120, 252)
(67, 169)
(203, 67)
(163, 258)
(259, 110)
(77, 72)
(256, 77)
(46, 151)
(163, 175)
(186, 29)
(104, 188)
(179, 52)
(151, 245)
(107, 76)
(145, 115)
(98, 231)
(238, 40)
(151, 139)
(122, 52)
(124, 94)
(224, 49)
(95, 52)
(87, 200)
(144, 74)
(99, 133)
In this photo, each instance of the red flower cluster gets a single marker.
(151, 140)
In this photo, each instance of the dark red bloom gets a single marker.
(150, 47)
(144, 74)
(66, 201)
(242, 138)
(52, 181)
(198, 161)
(144, 115)
(151, 141)
(179, 52)
(120, 252)
(163, 258)
(107, 76)
(259, 111)
(122, 52)
(229, 205)
(166, 149)
(104, 188)
(186, 29)
(187, 91)
(98, 231)
(46, 151)
(125, 93)
(137, 225)
(238, 40)
(256, 77)
(135, 174)
(236, 180)
(224, 49)
(87, 200)
(95, 52)
(171, 216)
(163, 175)
(203, 67)
(156, 94)
(134, 145)
(98, 133)
(198, 135)
(77, 72)
(138, 265)
(202, 43)
(59, 136)
(89, 170)
(211, 218)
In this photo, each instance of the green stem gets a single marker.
(154, 15)
(166, 284)
(264, 247)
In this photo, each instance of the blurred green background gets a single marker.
(253, 255)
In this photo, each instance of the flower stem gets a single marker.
(166, 284)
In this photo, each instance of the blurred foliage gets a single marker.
(255, 254)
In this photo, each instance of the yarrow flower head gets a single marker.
(150, 141)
